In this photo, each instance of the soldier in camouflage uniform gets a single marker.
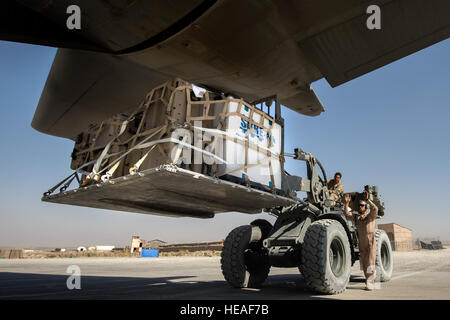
(335, 187)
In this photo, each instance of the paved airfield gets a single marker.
(417, 275)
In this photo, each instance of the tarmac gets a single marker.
(420, 274)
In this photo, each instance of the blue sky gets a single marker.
(387, 128)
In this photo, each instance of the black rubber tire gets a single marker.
(244, 264)
(384, 261)
(326, 248)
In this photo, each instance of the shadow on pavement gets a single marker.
(50, 286)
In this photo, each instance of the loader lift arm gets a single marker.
(315, 187)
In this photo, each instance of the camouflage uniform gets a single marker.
(335, 189)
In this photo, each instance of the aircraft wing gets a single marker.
(253, 49)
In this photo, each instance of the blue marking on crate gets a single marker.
(246, 108)
(149, 253)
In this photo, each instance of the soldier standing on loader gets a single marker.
(365, 224)
(335, 187)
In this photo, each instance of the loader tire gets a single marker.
(384, 261)
(326, 257)
(244, 264)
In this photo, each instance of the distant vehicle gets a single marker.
(104, 248)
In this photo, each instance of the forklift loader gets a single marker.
(313, 235)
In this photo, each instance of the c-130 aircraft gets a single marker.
(215, 61)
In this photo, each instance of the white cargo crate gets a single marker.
(260, 163)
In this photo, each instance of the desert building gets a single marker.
(400, 237)
(104, 248)
(137, 244)
(154, 244)
(11, 253)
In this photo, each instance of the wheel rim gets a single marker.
(385, 258)
(337, 257)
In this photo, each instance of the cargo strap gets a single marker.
(105, 151)
(143, 145)
(51, 190)
(134, 169)
(184, 144)
(153, 144)
(110, 172)
(137, 146)
(80, 169)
